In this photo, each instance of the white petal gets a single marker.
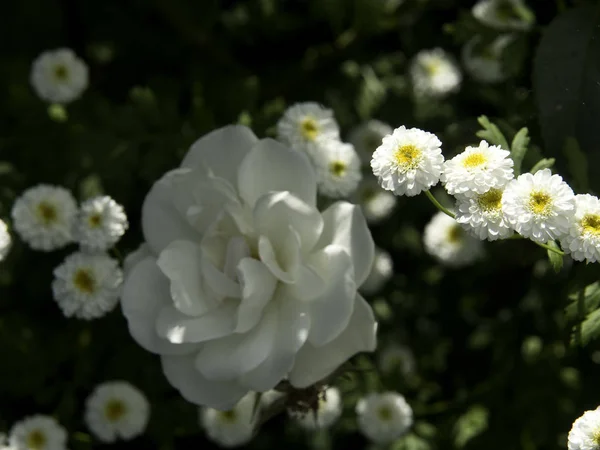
(221, 151)
(270, 166)
(331, 312)
(310, 284)
(258, 286)
(315, 363)
(145, 293)
(346, 226)
(218, 281)
(180, 262)
(181, 373)
(290, 253)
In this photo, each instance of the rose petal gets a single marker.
(258, 286)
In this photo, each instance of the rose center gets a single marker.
(591, 225)
(228, 416)
(61, 73)
(474, 160)
(455, 234)
(309, 128)
(47, 213)
(36, 440)
(540, 203)
(114, 410)
(338, 168)
(84, 281)
(384, 413)
(491, 201)
(408, 156)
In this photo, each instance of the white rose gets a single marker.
(248, 283)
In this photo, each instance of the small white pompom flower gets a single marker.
(5, 240)
(328, 412)
(484, 64)
(100, 224)
(368, 136)
(44, 215)
(582, 241)
(37, 432)
(585, 432)
(87, 285)
(232, 428)
(434, 73)
(116, 410)
(376, 204)
(59, 76)
(504, 14)
(539, 206)
(381, 272)
(384, 417)
(396, 359)
(483, 216)
(445, 239)
(338, 169)
(304, 126)
(477, 170)
(408, 161)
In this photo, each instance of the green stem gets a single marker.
(438, 205)
(552, 249)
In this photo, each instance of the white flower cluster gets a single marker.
(434, 74)
(585, 432)
(490, 203)
(384, 417)
(87, 284)
(59, 76)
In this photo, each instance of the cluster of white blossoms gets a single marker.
(434, 73)
(504, 14)
(59, 76)
(312, 129)
(585, 432)
(37, 432)
(116, 410)
(384, 417)
(5, 240)
(484, 62)
(246, 283)
(87, 284)
(328, 411)
(233, 427)
(490, 203)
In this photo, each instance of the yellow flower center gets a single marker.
(540, 203)
(590, 224)
(474, 160)
(61, 73)
(228, 416)
(36, 440)
(95, 220)
(455, 234)
(114, 410)
(84, 281)
(309, 128)
(491, 201)
(47, 213)
(433, 67)
(384, 413)
(408, 156)
(338, 168)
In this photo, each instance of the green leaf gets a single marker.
(556, 260)
(544, 163)
(411, 442)
(491, 133)
(577, 164)
(590, 327)
(470, 425)
(590, 300)
(518, 148)
(565, 81)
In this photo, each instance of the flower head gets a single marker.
(44, 215)
(377, 204)
(368, 136)
(408, 161)
(482, 215)
(504, 14)
(381, 272)
(328, 412)
(338, 169)
(585, 433)
(248, 283)
(5, 240)
(484, 63)
(231, 428)
(446, 240)
(582, 241)
(539, 206)
(59, 76)
(100, 224)
(477, 170)
(384, 417)
(37, 433)
(87, 285)
(116, 410)
(434, 73)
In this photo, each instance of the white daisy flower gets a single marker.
(87, 285)
(396, 359)
(483, 216)
(376, 204)
(582, 241)
(304, 125)
(585, 432)
(477, 170)
(37, 432)
(116, 410)
(338, 169)
(384, 417)
(5, 240)
(43, 216)
(139, 254)
(328, 412)
(381, 272)
(539, 206)
(368, 136)
(232, 428)
(434, 73)
(59, 76)
(504, 14)
(484, 64)
(445, 239)
(408, 161)
(100, 224)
